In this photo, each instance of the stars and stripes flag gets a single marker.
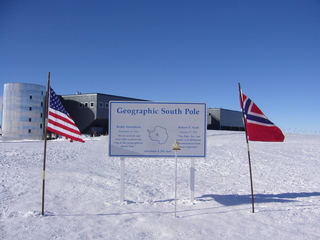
(258, 126)
(59, 120)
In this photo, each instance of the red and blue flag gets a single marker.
(258, 126)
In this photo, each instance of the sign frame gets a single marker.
(149, 129)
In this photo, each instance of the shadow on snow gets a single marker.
(226, 200)
(231, 200)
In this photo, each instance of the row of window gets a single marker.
(29, 130)
(30, 108)
(30, 120)
(91, 105)
(30, 96)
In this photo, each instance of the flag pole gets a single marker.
(249, 158)
(45, 141)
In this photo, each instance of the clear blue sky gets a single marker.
(179, 51)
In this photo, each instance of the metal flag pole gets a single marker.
(45, 142)
(247, 140)
(176, 147)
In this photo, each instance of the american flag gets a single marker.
(258, 126)
(59, 121)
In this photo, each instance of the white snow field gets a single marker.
(83, 184)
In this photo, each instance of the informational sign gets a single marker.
(139, 129)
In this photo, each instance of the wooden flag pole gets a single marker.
(45, 143)
(249, 158)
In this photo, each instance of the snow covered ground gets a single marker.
(82, 191)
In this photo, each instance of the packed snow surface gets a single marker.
(83, 187)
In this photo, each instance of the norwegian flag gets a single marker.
(258, 126)
(59, 121)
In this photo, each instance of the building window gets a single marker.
(30, 97)
(106, 105)
(85, 104)
(92, 104)
(41, 115)
(30, 108)
(29, 130)
(80, 105)
(40, 125)
(41, 104)
(29, 119)
(100, 104)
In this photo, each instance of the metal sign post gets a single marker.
(122, 179)
(192, 176)
(176, 148)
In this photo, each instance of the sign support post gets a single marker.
(147, 129)
(122, 167)
(192, 176)
(176, 148)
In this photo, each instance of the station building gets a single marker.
(224, 119)
(24, 105)
(23, 111)
(91, 111)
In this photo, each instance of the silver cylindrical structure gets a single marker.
(23, 111)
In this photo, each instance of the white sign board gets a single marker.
(139, 129)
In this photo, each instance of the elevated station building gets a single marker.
(91, 111)
(23, 111)
(24, 106)
(224, 119)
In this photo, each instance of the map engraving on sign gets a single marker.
(159, 134)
